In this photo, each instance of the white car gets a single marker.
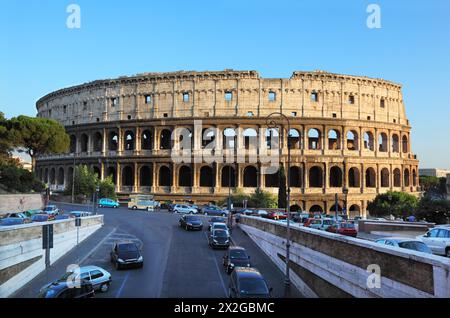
(438, 240)
(220, 226)
(262, 213)
(183, 208)
(80, 214)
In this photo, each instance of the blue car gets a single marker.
(108, 203)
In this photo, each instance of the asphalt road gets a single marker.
(177, 263)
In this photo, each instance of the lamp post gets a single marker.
(73, 178)
(272, 123)
(345, 192)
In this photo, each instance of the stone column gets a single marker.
(105, 142)
(102, 170)
(136, 178)
(155, 181)
(120, 141)
(118, 177)
(137, 138)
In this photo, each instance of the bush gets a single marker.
(399, 204)
(86, 182)
(107, 189)
(15, 179)
(436, 211)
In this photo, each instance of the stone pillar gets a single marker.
(240, 174)
(120, 141)
(118, 177)
(136, 178)
(155, 181)
(137, 138)
(105, 142)
(173, 169)
(102, 170)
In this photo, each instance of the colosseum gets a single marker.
(349, 135)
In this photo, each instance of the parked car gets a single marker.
(51, 209)
(66, 290)
(126, 253)
(20, 215)
(243, 211)
(62, 217)
(97, 276)
(184, 208)
(220, 226)
(276, 215)
(261, 213)
(30, 213)
(214, 210)
(236, 256)
(438, 240)
(219, 239)
(108, 203)
(320, 224)
(248, 283)
(42, 217)
(300, 217)
(405, 242)
(170, 207)
(196, 207)
(345, 228)
(216, 219)
(191, 222)
(11, 221)
(80, 214)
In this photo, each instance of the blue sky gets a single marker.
(39, 54)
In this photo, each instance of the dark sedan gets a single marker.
(190, 222)
(248, 283)
(219, 239)
(64, 289)
(11, 221)
(126, 254)
(235, 257)
(213, 210)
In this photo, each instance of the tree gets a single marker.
(433, 186)
(39, 135)
(282, 187)
(14, 179)
(86, 182)
(262, 199)
(399, 204)
(436, 211)
(107, 189)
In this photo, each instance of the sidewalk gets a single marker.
(75, 256)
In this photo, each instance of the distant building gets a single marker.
(25, 164)
(433, 172)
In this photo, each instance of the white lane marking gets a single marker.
(218, 269)
(97, 246)
(122, 285)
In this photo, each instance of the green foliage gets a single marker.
(107, 189)
(399, 204)
(282, 197)
(258, 199)
(433, 186)
(14, 179)
(436, 211)
(86, 182)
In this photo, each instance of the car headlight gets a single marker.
(120, 260)
(248, 265)
(189, 224)
(231, 265)
(140, 259)
(215, 241)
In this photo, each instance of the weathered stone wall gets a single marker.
(20, 202)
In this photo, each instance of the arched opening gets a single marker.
(84, 142)
(228, 177)
(397, 178)
(250, 177)
(294, 140)
(146, 176)
(46, 176)
(70, 175)
(352, 140)
(165, 177)
(206, 177)
(185, 177)
(272, 138)
(127, 176)
(295, 177)
(415, 178)
(368, 141)
(52, 176)
(385, 178)
(406, 177)
(382, 142)
(113, 142)
(96, 170)
(129, 140)
(405, 144)
(395, 143)
(334, 140)
(354, 211)
(314, 139)
(370, 178)
(333, 208)
(250, 138)
(98, 142)
(315, 177)
(272, 180)
(165, 141)
(61, 176)
(229, 138)
(353, 178)
(295, 208)
(185, 138)
(335, 177)
(208, 137)
(73, 143)
(316, 209)
(146, 140)
(111, 172)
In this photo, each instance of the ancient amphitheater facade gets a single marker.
(349, 135)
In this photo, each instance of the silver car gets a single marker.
(405, 242)
(438, 240)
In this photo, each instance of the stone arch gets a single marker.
(113, 141)
(354, 211)
(370, 178)
(250, 177)
(382, 142)
(60, 178)
(352, 140)
(272, 138)
(70, 175)
(208, 136)
(295, 208)
(414, 173)
(294, 139)
(111, 172)
(146, 176)
(147, 140)
(397, 178)
(334, 139)
(316, 177)
(369, 143)
(333, 208)
(165, 177)
(185, 176)
(272, 180)
(98, 142)
(228, 178)
(335, 177)
(354, 178)
(405, 145)
(250, 138)
(165, 140)
(84, 143)
(314, 138)
(316, 209)
(296, 177)
(384, 178)
(52, 176)
(129, 140)
(206, 176)
(395, 143)
(46, 176)
(127, 176)
(229, 138)
(406, 177)
(73, 144)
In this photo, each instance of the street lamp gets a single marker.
(272, 123)
(345, 192)
(73, 178)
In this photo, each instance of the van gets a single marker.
(142, 202)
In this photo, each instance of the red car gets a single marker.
(275, 215)
(347, 229)
(308, 222)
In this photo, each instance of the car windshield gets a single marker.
(128, 247)
(39, 218)
(220, 226)
(328, 222)
(217, 220)
(238, 254)
(48, 208)
(348, 225)
(253, 286)
(220, 233)
(417, 246)
(192, 219)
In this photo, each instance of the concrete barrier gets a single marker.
(368, 226)
(22, 257)
(329, 265)
(20, 202)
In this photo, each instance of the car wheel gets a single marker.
(100, 206)
(134, 208)
(115, 207)
(223, 214)
(175, 211)
(186, 228)
(448, 252)
(104, 287)
(206, 213)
